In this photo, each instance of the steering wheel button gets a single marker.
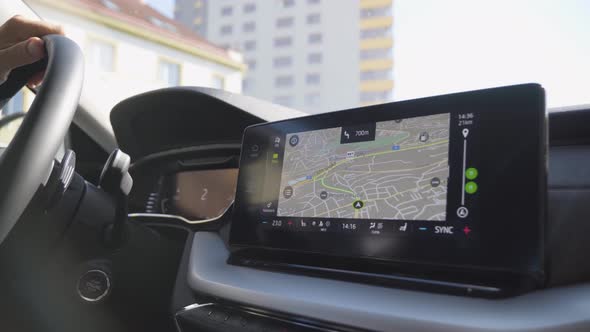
(94, 285)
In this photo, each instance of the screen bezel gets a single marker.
(513, 123)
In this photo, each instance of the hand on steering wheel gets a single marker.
(27, 162)
(20, 44)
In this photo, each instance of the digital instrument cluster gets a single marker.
(195, 195)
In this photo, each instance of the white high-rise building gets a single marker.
(314, 55)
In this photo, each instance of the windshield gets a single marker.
(324, 55)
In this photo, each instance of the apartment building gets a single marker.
(313, 55)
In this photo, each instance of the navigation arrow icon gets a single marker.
(358, 204)
(462, 212)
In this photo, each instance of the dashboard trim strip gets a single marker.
(380, 308)
(172, 216)
(181, 218)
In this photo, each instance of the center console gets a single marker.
(444, 193)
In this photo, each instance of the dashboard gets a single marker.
(200, 148)
(262, 291)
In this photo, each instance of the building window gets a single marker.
(226, 30)
(284, 81)
(198, 20)
(312, 99)
(248, 84)
(376, 53)
(312, 79)
(314, 38)
(376, 12)
(283, 100)
(288, 3)
(284, 22)
(169, 73)
(283, 41)
(249, 27)
(282, 62)
(251, 64)
(227, 11)
(375, 97)
(313, 18)
(110, 5)
(313, 58)
(250, 45)
(218, 82)
(101, 55)
(313, 2)
(375, 33)
(249, 8)
(161, 24)
(373, 75)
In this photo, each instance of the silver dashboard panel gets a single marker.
(378, 308)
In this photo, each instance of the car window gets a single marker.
(17, 104)
(324, 55)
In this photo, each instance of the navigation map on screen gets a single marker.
(395, 169)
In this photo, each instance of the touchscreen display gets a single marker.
(386, 170)
(456, 180)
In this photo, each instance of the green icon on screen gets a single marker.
(471, 173)
(275, 156)
(470, 187)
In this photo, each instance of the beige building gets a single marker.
(131, 48)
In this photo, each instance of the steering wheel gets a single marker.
(27, 162)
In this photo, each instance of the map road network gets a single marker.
(402, 174)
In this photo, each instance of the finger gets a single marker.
(36, 80)
(19, 28)
(21, 54)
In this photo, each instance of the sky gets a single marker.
(166, 7)
(457, 45)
